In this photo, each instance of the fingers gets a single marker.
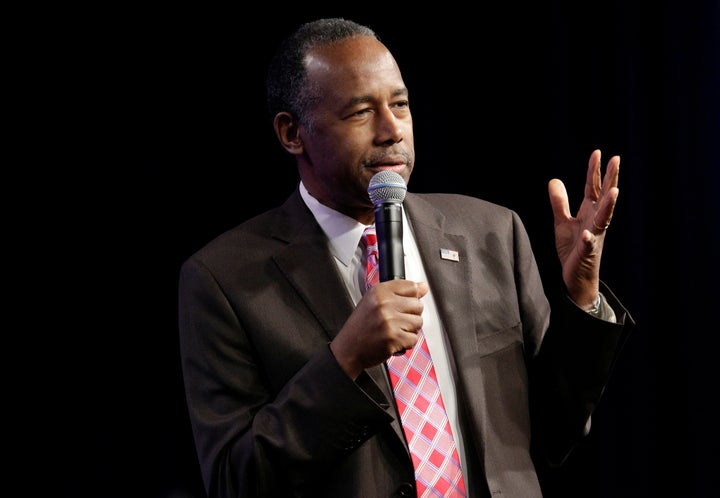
(598, 204)
(402, 296)
(605, 194)
(396, 307)
(559, 200)
(422, 289)
(603, 215)
(612, 174)
(592, 179)
(595, 189)
(385, 322)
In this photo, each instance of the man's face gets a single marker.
(360, 125)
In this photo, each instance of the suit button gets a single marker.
(406, 489)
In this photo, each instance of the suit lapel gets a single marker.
(309, 266)
(447, 277)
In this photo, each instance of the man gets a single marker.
(285, 354)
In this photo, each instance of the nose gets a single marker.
(389, 127)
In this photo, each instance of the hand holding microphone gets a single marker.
(387, 191)
(371, 334)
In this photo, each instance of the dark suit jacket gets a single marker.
(272, 412)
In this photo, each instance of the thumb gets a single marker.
(422, 289)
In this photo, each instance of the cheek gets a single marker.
(318, 150)
(341, 152)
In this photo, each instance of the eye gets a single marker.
(401, 108)
(360, 112)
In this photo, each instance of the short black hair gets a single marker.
(286, 82)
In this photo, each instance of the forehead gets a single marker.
(360, 61)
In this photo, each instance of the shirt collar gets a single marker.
(343, 232)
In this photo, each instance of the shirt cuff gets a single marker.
(602, 310)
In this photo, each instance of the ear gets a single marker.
(287, 130)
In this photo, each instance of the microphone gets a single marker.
(387, 191)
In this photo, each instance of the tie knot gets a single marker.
(370, 238)
(371, 244)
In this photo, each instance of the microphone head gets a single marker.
(387, 186)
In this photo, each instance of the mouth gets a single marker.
(390, 167)
(396, 164)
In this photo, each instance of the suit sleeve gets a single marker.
(251, 440)
(569, 374)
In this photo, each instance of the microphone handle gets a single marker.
(389, 230)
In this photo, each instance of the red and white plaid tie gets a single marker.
(417, 394)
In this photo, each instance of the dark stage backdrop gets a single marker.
(163, 143)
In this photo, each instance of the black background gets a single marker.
(160, 142)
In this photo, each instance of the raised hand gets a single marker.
(579, 239)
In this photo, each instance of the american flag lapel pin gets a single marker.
(449, 254)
